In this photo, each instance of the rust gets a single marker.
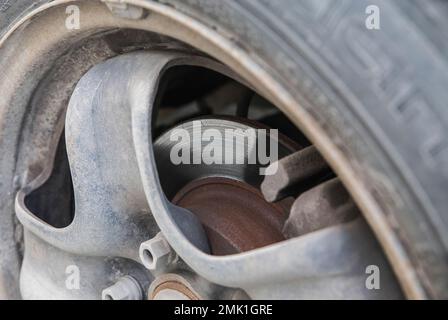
(176, 286)
(235, 215)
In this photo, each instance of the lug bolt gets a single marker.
(156, 253)
(126, 288)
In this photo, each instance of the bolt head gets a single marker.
(155, 253)
(127, 288)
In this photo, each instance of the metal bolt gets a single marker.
(156, 253)
(126, 288)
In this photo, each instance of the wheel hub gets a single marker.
(123, 199)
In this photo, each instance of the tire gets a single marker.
(381, 95)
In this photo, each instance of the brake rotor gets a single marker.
(225, 197)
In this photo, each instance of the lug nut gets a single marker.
(156, 253)
(126, 288)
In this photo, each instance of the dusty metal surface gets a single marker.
(134, 183)
(350, 238)
(186, 173)
(323, 206)
(286, 263)
(46, 270)
(235, 215)
(226, 198)
(126, 288)
(296, 173)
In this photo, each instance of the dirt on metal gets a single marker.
(235, 215)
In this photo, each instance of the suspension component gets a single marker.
(326, 205)
(295, 174)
